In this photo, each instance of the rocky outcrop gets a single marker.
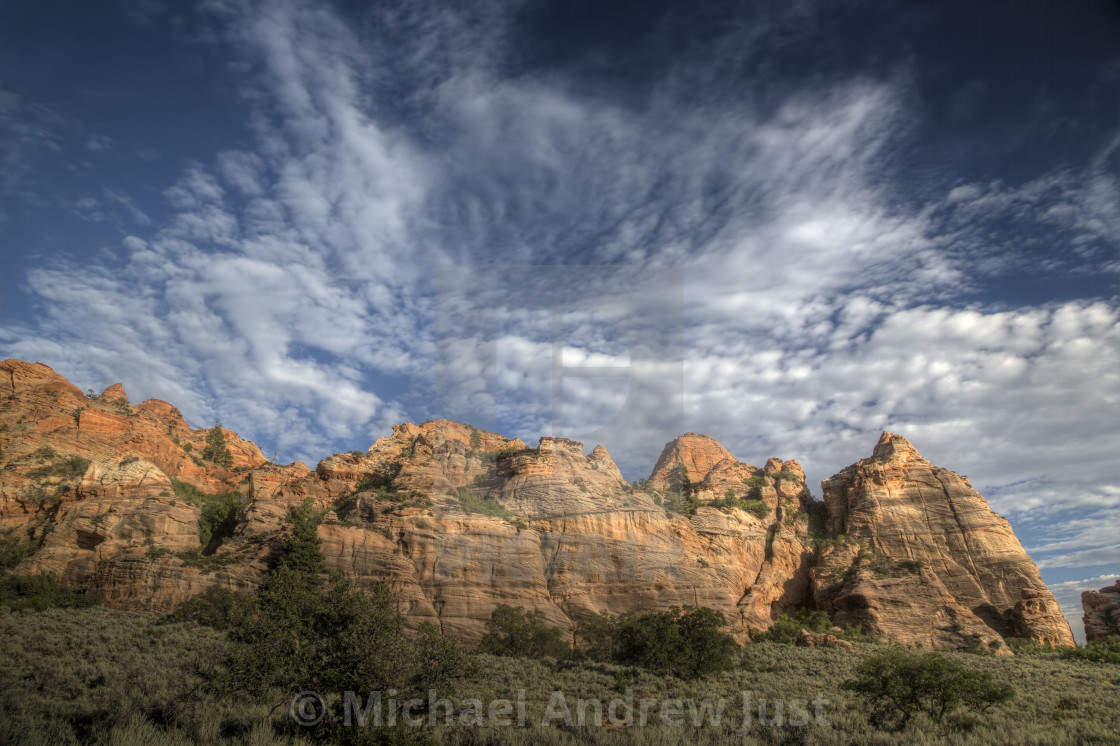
(807, 639)
(1102, 613)
(131, 451)
(457, 520)
(691, 457)
(917, 556)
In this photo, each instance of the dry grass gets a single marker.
(99, 676)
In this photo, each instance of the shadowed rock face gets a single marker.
(927, 562)
(457, 520)
(1102, 613)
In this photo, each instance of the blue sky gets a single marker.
(805, 222)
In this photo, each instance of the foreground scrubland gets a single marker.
(100, 676)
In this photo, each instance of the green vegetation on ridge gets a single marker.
(221, 512)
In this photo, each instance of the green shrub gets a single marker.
(1096, 652)
(757, 508)
(899, 684)
(788, 476)
(727, 501)
(975, 646)
(206, 562)
(14, 550)
(368, 483)
(515, 632)
(787, 627)
(676, 502)
(220, 516)
(216, 607)
(40, 592)
(1023, 646)
(221, 512)
(757, 482)
(472, 503)
(493, 456)
(73, 466)
(685, 642)
(841, 540)
(374, 482)
(45, 452)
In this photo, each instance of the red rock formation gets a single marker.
(457, 520)
(1102, 613)
(698, 454)
(925, 560)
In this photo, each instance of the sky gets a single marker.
(788, 225)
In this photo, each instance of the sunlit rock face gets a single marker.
(457, 520)
(1102, 613)
(925, 561)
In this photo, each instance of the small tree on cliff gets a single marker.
(680, 474)
(216, 449)
(302, 553)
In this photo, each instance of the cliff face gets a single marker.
(1102, 613)
(568, 535)
(924, 560)
(458, 520)
(87, 480)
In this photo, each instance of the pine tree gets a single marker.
(216, 449)
(303, 554)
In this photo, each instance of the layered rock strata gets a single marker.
(914, 554)
(457, 520)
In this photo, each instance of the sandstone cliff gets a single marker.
(914, 554)
(458, 520)
(1102, 613)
